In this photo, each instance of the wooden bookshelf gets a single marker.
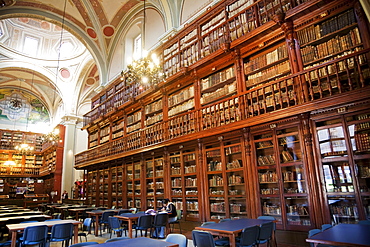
(235, 125)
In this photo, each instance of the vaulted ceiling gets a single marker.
(65, 67)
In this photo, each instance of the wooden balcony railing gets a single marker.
(316, 84)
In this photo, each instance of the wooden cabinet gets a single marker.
(154, 182)
(134, 176)
(226, 177)
(282, 177)
(184, 182)
(344, 157)
(116, 184)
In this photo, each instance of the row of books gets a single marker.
(242, 24)
(279, 53)
(190, 36)
(315, 32)
(216, 180)
(215, 21)
(362, 142)
(238, 6)
(133, 118)
(235, 180)
(181, 108)
(335, 45)
(272, 72)
(223, 91)
(153, 107)
(189, 55)
(266, 160)
(233, 150)
(213, 41)
(268, 177)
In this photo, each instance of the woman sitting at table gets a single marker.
(169, 208)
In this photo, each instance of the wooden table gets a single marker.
(77, 211)
(231, 228)
(20, 213)
(14, 228)
(4, 220)
(96, 214)
(130, 218)
(138, 242)
(343, 235)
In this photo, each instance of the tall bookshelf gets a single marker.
(344, 158)
(184, 182)
(282, 177)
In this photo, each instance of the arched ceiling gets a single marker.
(92, 30)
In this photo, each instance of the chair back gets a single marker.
(160, 220)
(35, 235)
(325, 227)
(145, 221)
(208, 223)
(177, 239)
(114, 222)
(249, 236)
(116, 239)
(60, 232)
(202, 239)
(105, 216)
(83, 244)
(267, 217)
(226, 219)
(179, 214)
(313, 232)
(87, 224)
(122, 211)
(266, 230)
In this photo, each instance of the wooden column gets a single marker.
(314, 184)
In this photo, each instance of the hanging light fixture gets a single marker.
(24, 148)
(145, 71)
(53, 136)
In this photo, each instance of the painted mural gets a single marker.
(22, 110)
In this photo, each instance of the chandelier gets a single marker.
(24, 149)
(145, 71)
(51, 137)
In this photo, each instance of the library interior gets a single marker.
(232, 109)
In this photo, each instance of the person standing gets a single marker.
(65, 195)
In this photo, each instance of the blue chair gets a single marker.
(86, 228)
(83, 244)
(144, 222)
(159, 224)
(313, 232)
(104, 220)
(33, 235)
(272, 218)
(266, 232)
(62, 233)
(179, 239)
(116, 239)
(116, 226)
(325, 227)
(208, 223)
(249, 236)
(202, 239)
